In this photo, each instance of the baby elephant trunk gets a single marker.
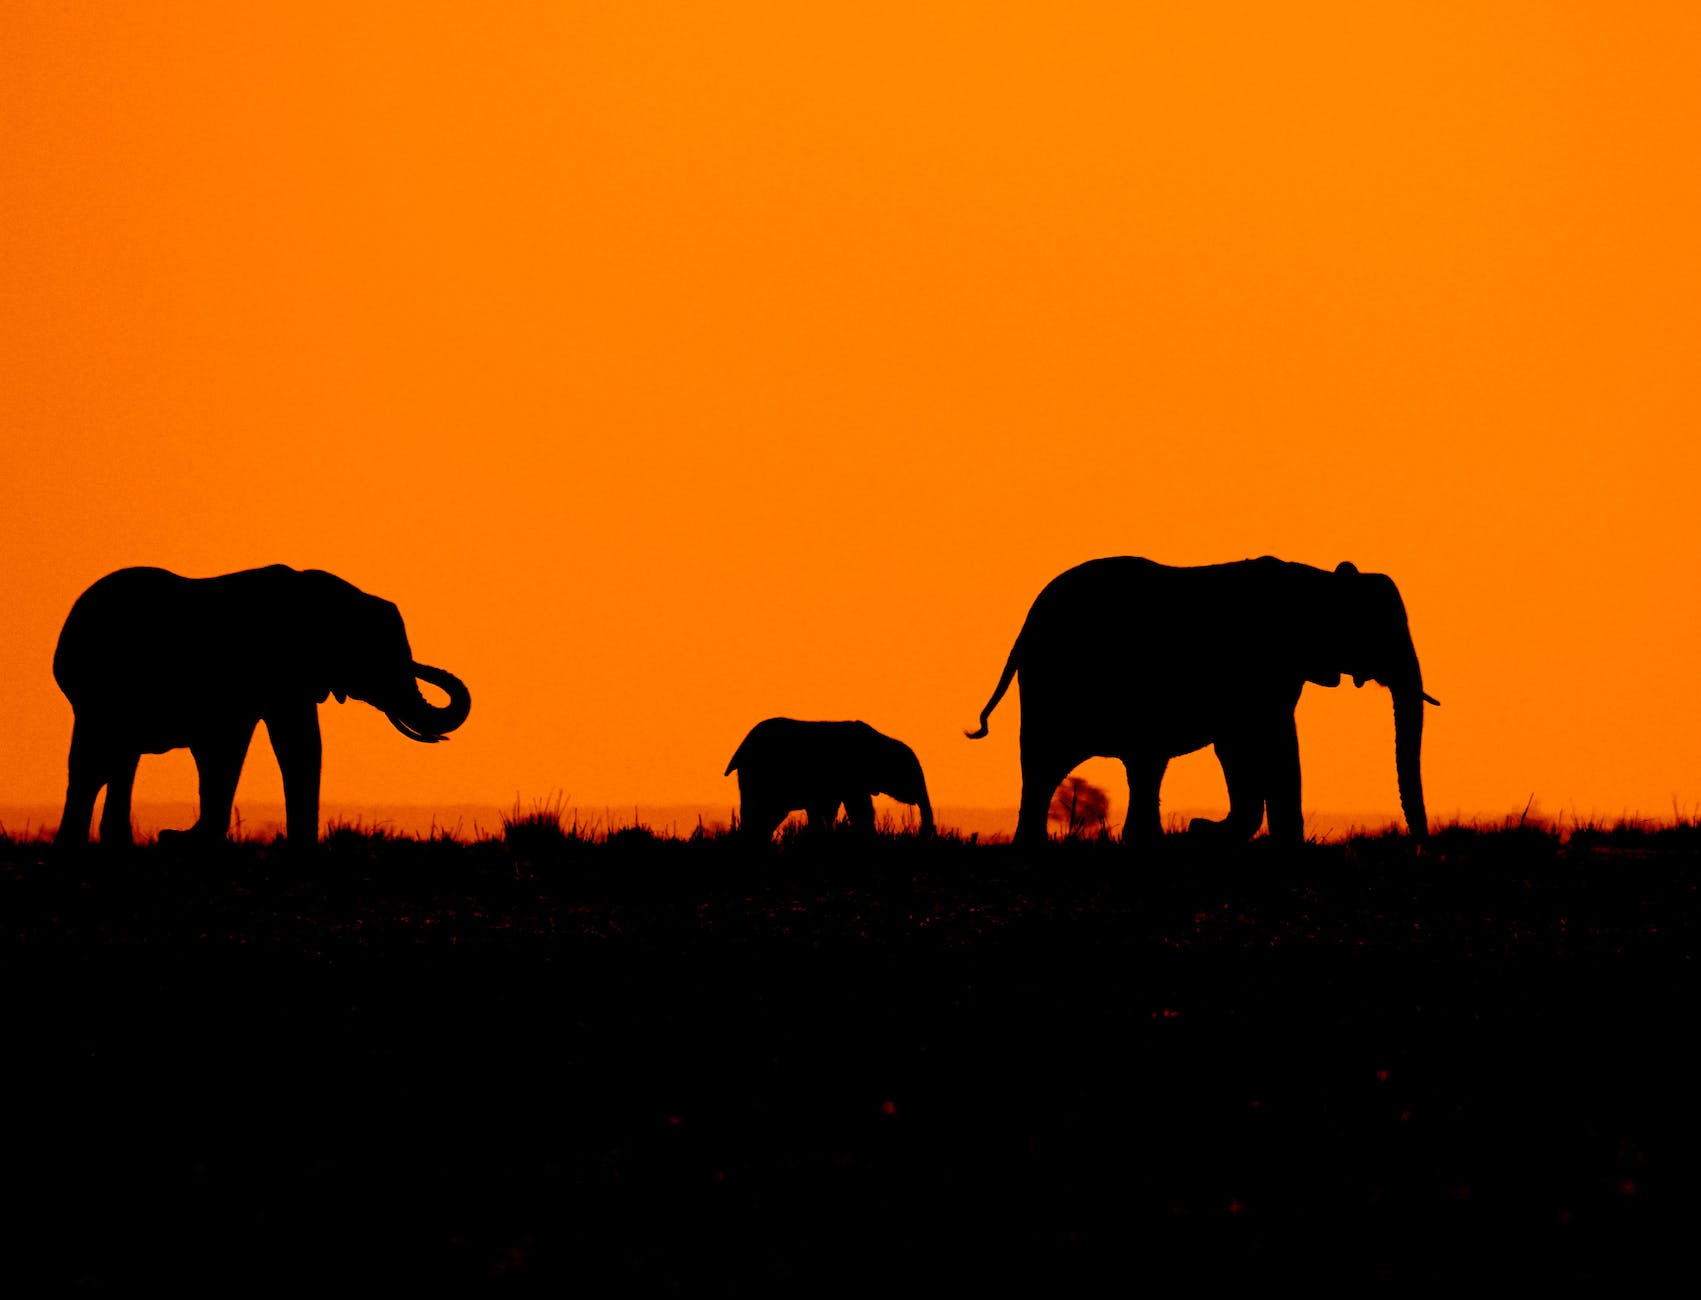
(926, 808)
(901, 771)
(917, 794)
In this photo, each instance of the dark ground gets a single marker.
(657, 1064)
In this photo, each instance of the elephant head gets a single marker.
(904, 782)
(1359, 629)
(361, 650)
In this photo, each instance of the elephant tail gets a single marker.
(998, 694)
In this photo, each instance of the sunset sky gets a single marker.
(673, 366)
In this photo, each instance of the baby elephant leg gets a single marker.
(758, 819)
(859, 811)
(823, 814)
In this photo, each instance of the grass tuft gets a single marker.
(545, 828)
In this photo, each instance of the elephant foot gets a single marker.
(176, 841)
(70, 850)
(1206, 828)
(1142, 842)
(191, 842)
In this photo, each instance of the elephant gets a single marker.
(152, 661)
(1126, 658)
(784, 765)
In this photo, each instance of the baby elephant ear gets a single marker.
(1347, 567)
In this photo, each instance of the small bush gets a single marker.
(542, 829)
(1081, 808)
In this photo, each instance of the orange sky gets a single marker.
(672, 366)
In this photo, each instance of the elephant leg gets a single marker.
(1243, 771)
(758, 820)
(115, 828)
(822, 814)
(1281, 768)
(1043, 770)
(219, 761)
(85, 774)
(1144, 824)
(859, 810)
(296, 742)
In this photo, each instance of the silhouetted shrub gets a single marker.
(543, 829)
(1080, 807)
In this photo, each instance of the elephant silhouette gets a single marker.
(1126, 658)
(785, 765)
(152, 661)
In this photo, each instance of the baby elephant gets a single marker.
(785, 765)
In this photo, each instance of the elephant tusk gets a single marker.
(412, 734)
(1430, 699)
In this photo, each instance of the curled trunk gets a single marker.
(419, 719)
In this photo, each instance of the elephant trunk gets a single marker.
(419, 719)
(926, 807)
(1408, 753)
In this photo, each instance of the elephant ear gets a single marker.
(1331, 631)
(326, 608)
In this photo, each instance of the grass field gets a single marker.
(546, 1059)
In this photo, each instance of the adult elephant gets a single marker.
(785, 765)
(1125, 658)
(152, 662)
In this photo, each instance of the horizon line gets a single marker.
(266, 817)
